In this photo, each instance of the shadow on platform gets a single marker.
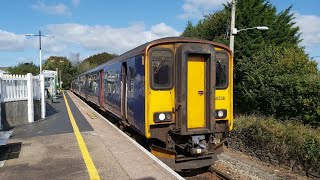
(56, 121)
(10, 151)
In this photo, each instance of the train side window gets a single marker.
(161, 69)
(94, 84)
(131, 79)
(110, 81)
(222, 71)
(106, 86)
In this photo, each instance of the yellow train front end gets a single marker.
(224, 94)
(185, 122)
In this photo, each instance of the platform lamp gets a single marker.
(40, 35)
(234, 30)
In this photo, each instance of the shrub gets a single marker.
(292, 143)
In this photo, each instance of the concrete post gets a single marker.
(43, 100)
(233, 19)
(30, 98)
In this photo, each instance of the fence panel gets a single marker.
(13, 88)
(23, 87)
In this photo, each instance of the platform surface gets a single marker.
(49, 149)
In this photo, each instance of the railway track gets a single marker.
(219, 174)
(205, 174)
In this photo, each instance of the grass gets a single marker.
(291, 142)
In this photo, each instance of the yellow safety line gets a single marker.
(93, 173)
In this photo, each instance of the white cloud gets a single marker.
(75, 3)
(11, 42)
(310, 33)
(56, 9)
(99, 38)
(198, 8)
(104, 37)
(310, 28)
(162, 30)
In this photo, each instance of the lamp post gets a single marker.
(233, 30)
(40, 35)
(233, 23)
(262, 28)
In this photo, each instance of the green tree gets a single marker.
(64, 65)
(24, 68)
(190, 31)
(94, 61)
(270, 67)
(281, 82)
(214, 27)
(249, 13)
(75, 59)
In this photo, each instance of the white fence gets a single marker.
(23, 87)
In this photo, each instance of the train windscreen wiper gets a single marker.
(221, 72)
(160, 65)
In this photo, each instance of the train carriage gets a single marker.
(176, 92)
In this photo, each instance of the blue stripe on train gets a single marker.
(139, 95)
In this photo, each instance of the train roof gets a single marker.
(141, 49)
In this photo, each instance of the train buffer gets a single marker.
(69, 144)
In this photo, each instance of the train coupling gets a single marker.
(199, 145)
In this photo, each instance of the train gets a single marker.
(176, 92)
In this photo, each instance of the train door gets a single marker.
(194, 86)
(124, 91)
(101, 95)
(196, 91)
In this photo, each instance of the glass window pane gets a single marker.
(161, 71)
(222, 70)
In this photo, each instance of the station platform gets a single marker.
(75, 142)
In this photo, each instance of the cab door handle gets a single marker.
(200, 93)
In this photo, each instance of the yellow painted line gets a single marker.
(93, 173)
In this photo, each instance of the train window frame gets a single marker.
(227, 63)
(171, 79)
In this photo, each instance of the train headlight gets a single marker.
(220, 113)
(168, 116)
(162, 117)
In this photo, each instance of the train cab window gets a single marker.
(222, 65)
(131, 79)
(161, 69)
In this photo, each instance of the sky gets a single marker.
(90, 27)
